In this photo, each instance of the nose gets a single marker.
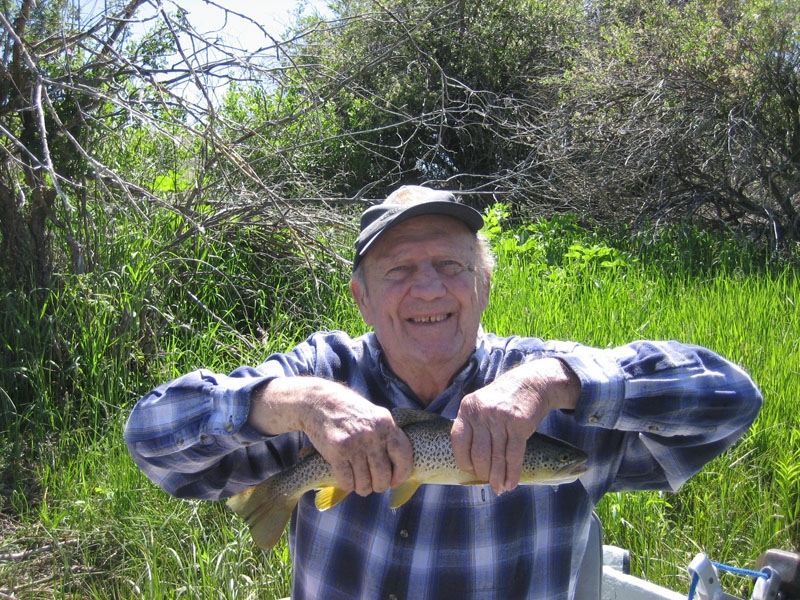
(427, 283)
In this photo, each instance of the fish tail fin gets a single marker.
(329, 496)
(265, 511)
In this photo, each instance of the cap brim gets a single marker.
(396, 215)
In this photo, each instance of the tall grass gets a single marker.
(747, 500)
(79, 520)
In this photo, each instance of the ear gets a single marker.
(360, 296)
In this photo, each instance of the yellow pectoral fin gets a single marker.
(329, 496)
(400, 495)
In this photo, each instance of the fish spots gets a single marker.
(268, 506)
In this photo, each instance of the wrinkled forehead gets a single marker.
(426, 233)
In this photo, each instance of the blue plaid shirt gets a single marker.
(650, 415)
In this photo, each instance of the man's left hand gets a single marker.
(494, 423)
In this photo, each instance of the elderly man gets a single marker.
(650, 415)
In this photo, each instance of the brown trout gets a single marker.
(268, 506)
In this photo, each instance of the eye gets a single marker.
(398, 272)
(449, 268)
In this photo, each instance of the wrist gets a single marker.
(555, 382)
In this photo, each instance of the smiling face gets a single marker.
(423, 292)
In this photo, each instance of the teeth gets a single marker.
(435, 319)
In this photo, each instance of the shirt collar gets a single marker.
(459, 381)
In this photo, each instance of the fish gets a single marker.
(268, 506)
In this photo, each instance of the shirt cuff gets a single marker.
(231, 405)
(602, 389)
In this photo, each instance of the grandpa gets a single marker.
(650, 414)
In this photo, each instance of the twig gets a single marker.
(19, 556)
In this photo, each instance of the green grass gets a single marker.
(746, 501)
(79, 520)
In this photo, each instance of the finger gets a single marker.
(343, 473)
(461, 440)
(481, 453)
(515, 454)
(362, 477)
(380, 471)
(497, 468)
(401, 455)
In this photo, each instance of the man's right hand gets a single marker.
(367, 451)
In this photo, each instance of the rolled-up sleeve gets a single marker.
(180, 433)
(192, 438)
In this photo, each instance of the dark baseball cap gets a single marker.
(404, 203)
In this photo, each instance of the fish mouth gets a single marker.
(570, 474)
(579, 469)
(430, 319)
(576, 471)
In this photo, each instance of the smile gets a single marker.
(433, 319)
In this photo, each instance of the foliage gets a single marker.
(625, 113)
(168, 200)
(110, 180)
(436, 92)
(165, 278)
(687, 112)
(79, 519)
(46, 102)
(559, 248)
(114, 111)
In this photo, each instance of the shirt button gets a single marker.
(228, 426)
(594, 419)
(652, 428)
(180, 442)
(404, 533)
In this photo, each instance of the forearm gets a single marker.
(361, 441)
(288, 404)
(551, 379)
(493, 424)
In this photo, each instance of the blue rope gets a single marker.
(729, 569)
(740, 571)
(693, 587)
